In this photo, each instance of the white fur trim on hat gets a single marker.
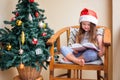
(88, 18)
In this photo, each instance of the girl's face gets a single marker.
(86, 25)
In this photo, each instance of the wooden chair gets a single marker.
(77, 69)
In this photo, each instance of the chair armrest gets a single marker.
(53, 38)
(107, 37)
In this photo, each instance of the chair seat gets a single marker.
(75, 66)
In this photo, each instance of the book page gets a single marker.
(90, 45)
(78, 47)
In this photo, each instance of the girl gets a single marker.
(87, 33)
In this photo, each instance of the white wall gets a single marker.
(59, 13)
(116, 39)
(66, 12)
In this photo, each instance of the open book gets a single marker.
(81, 47)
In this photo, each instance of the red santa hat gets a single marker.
(88, 15)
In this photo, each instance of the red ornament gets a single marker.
(31, 1)
(36, 14)
(13, 18)
(16, 14)
(44, 34)
(34, 41)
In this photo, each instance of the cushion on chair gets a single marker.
(100, 31)
(72, 38)
(96, 62)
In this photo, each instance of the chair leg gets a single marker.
(74, 73)
(77, 74)
(105, 76)
(80, 74)
(69, 73)
(51, 75)
(98, 75)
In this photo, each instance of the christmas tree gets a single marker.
(24, 44)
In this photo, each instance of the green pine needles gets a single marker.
(25, 42)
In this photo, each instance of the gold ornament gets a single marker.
(9, 47)
(23, 37)
(19, 22)
(21, 66)
(44, 25)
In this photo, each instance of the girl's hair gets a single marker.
(92, 33)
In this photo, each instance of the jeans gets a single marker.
(88, 54)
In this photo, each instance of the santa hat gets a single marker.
(88, 15)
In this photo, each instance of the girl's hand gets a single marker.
(100, 53)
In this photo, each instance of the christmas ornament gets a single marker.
(22, 37)
(31, 1)
(12, 19)
(30, 17)
(45, 30)
(36, 14)
(44, 34)
(21, 66)
(16, 14)
(49, 58)
(42, 25)
(19, 22)
(8, 47)
(21, 51)
(38, 51)
(34, 41)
